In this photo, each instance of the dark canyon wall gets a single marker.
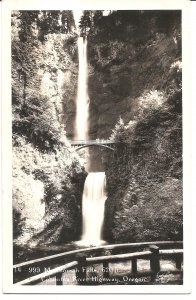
(129, 52)
(135, 74)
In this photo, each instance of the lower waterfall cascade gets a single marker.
(93, 202)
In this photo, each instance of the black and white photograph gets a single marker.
(97, 148)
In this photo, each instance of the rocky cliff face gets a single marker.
(135, 74)
(48, 176)
(129, 52)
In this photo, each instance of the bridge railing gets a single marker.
(87, 142)
(81, 261)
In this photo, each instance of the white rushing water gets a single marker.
(93, 202)
(82, 101)
(94, 194)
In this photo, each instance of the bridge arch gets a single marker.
(94, 145)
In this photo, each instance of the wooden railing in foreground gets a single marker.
(81, 261)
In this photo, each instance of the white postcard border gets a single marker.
(9, 5)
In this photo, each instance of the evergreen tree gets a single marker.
(120, 132)
(85, 23)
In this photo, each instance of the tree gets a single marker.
(120, 132)
(85, 23)
(27, 18)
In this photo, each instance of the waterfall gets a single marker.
(93, 202)
(82, 101)
(94, 194)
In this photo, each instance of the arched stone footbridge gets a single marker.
(80, 144)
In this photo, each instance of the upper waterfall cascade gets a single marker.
(82, 101)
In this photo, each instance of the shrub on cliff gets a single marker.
(120, 132)
(148, 111)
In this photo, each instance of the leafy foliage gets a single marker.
(119, 134)
(114, 26)
(158, 216)
(37, 121)
(44, 22)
